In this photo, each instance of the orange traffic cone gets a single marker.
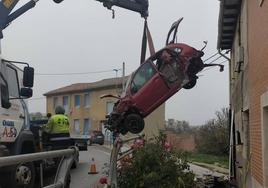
(92, 167)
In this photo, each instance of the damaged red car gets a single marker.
(154, 82)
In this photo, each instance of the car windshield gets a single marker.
(142, 75)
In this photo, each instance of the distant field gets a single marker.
(221, 161)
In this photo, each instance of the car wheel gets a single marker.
(134, 123)
(89, 142)
(123, 131)
(190, 84)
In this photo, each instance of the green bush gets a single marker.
(155, 166)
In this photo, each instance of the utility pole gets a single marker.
(123, 77)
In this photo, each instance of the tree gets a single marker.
(155, 166)
(212, 138)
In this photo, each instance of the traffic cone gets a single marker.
(92, 167)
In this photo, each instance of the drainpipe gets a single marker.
(123, 77)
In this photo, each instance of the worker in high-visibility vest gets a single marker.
(58, 123)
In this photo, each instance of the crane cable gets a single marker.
(146, 37)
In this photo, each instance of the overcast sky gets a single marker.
(81, 36)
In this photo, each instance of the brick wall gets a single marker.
(183, 141)
(258, 82)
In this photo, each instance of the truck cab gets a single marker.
(15, 87)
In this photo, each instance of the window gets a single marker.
(77, 100)
(86, 126)
(86, 100)
(55, 102)
(77, 125)
(143, 74)
(4, 92)
(109, 107)
(65, 102)
(12, 80)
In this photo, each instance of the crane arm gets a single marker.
(140, 6)
(6, 17)
(6, 7)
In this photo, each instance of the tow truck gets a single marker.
(20, 155)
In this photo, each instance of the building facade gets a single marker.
(243, 29)
(86, 110)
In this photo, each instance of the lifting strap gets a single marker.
(146, 37)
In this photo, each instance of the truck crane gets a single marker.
(16, 137)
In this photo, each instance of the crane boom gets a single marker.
(6, 17)
(6, 7)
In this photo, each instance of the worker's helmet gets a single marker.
(59, 110)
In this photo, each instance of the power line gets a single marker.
(217, 53)
(214, 60)
(74, 73)
(211, 57)
(213, 67)
(37, 98)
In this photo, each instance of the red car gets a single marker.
(154, 82)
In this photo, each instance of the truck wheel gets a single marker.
(20, 176)
(134, 123)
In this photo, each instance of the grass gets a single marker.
(221, 161)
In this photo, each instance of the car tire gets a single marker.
(11, 179)
(134, 123)
(190, 84)
(123, 131)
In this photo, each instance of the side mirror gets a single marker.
(26, 92)
(28, 76)
(5, 97)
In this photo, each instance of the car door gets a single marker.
(148, 88)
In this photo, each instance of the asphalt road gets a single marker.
(80, 177)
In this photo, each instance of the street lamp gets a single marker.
(116, 71)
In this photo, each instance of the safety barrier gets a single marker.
(62, 175)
